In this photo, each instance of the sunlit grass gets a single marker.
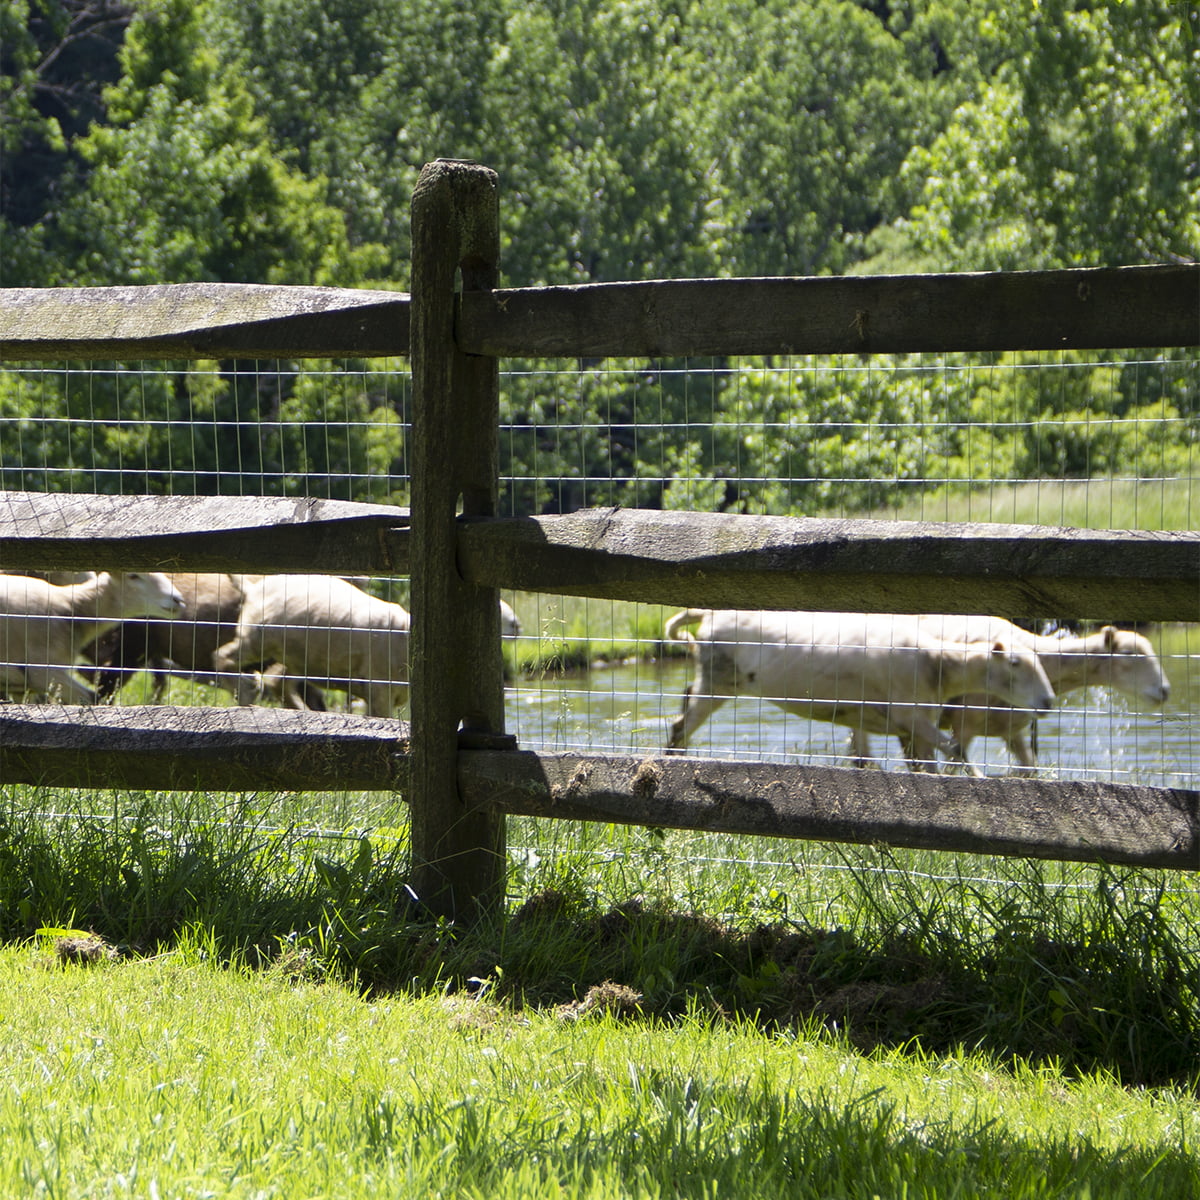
(562, 634)
(1097, 503)
(658, 1013)
(167, 1077)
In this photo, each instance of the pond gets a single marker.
(1092, 734)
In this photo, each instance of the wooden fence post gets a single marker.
(458, 851)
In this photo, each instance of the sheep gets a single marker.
(510, 624)
(298, 628)
(881, 674)
(43, 625)
(54, 576)
(1110, 657)
(323, 628)
(183, 648)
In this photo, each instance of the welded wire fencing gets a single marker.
(651, 458)
(1085, 440)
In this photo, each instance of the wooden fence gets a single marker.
(458, 769)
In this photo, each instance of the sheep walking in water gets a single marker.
(873, 673)
(44, 626)
(1118, 659)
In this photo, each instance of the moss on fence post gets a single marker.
(456, 666)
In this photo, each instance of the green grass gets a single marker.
(167, 1077)
(1081, 503)
(659, 1014)
(569, 634)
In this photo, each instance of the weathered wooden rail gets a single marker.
(1088, 308)
(454, 763)
(714, 559)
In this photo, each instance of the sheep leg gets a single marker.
(381, 699)
(58, 683)
(311, 696)
(698, 706)
(293, 691)
(246, 688)
(1023, 753)
(859, 748)
(922, 740)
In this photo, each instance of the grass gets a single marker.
(257, 1011)
(1096, 503)
(568, 634)
(167, 1077)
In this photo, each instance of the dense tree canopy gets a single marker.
(279, 140)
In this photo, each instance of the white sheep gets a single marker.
(1114, 658)
(510, 624)
(874, 673)
(179, 647)
(43, 626)
(306, 630)
(324, 629)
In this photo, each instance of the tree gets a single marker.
(606, 164)
(363, 94)
(817, 106)
(182, 182)
(1081, 149)
(56, 56)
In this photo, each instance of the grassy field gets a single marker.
(1096, 503)
(235, 995)
(231, 996)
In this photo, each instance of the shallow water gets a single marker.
(627, 709)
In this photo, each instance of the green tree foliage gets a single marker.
(56, 57)
(264, 140)
(599, 120)
(183, 183)
(1079, 149)
(825, 102)
(362, 94)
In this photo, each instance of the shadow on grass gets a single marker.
(1097, 1005)
(1115, 989)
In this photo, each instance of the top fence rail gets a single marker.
(1085, 309)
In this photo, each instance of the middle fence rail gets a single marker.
(454, 762)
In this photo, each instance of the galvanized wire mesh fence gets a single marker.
(1072, 439)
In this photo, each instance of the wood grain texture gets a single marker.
(257, 534)
(249, 749)
(719, 560)
(201, 320)
(1095, 308)
(1084, 822)
(456, 668)
(214, 749)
